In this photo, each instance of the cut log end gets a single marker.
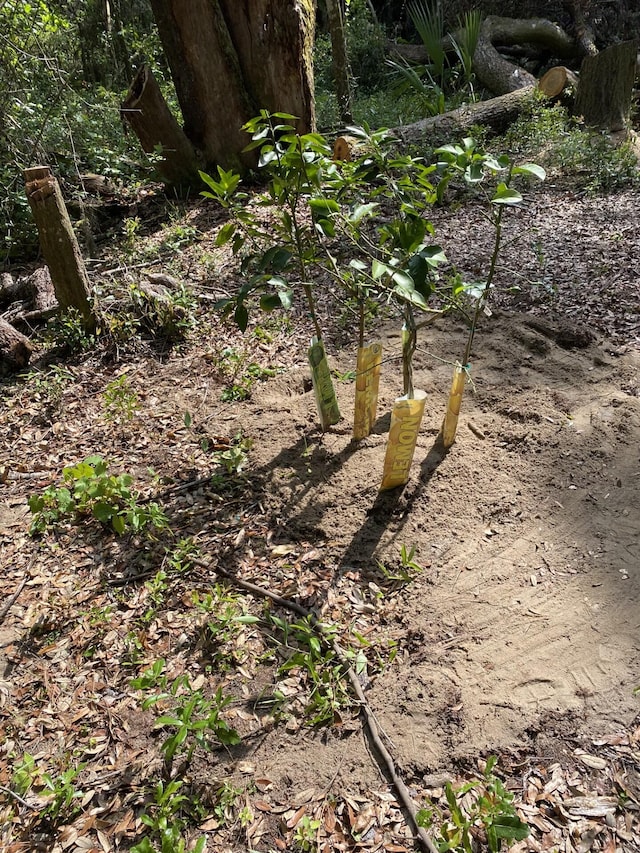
(342, 148)
(556, 81)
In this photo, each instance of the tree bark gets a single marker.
(498, 74)
(15, 349)
(274, 40)
(605, 89)
(339, 60)
(496, 114)
(228, 60)
(583, 33)
(59, 244)
(147, 113)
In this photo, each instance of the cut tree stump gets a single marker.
(146, 112)
(59, 244)
(605, 89)
(15, 349)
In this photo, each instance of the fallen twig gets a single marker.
(18, 798)
(425, 842)
(12, 599)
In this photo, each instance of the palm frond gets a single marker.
(428, 19)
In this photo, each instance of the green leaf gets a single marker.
(359, 265)
(530, 169)
(187, 420)
(362, 211)
(267, 156)
(323, 206)
(275, 259)
(225, 233)
(474, 173)
(403, 279)
(510, 827)
(270, 302)
(241, 316)
(119, 524)
(378, 269)
(103, 511)
(326, 227)
(505, 195)
(167, 720)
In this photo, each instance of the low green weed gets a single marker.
(406, 572)
(242, 374)
(306, 834)
(121, 402)
(324, 671)
(191, 718)
(170, 317)
(68, 332)
(166, 823)
(88, 490)
(222, 627)
(59, 791)
(481, 806)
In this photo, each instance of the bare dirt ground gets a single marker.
(520, 636)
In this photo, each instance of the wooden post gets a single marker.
(59, 244)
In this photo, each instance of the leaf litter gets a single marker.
(87, 611)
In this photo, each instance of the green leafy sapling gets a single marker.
(279, 251)
(474, 166)
(89, 490)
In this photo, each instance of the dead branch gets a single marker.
(374, 733)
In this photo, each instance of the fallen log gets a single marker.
(496, 114)
(15, 349)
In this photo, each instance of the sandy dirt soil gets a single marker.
(519, 636)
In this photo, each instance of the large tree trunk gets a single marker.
(340, 60)
(146, 111)
(59, 244)
(605, 87)
(231, 58)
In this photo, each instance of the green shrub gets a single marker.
(88, 490)
(584, 156)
